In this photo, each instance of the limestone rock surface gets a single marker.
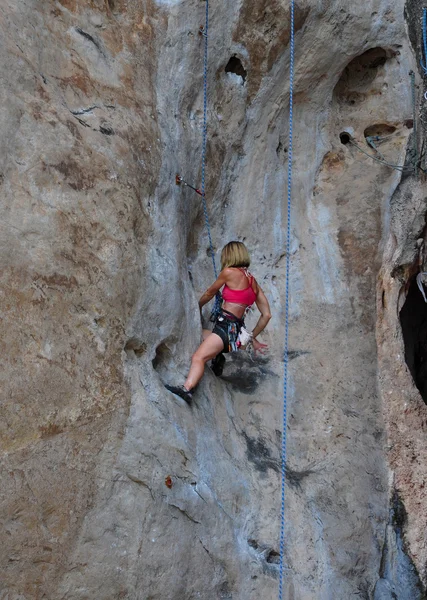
(111, 487)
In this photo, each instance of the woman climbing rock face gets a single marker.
(240, 291)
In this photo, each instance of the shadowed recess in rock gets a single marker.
(162, 359)
(345, 138)
(235, 66)
(379, 129)
(136, 345)
(358, 76)
(398, 577)
(265, 552)
(413, 320)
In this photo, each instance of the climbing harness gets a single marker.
(228, 327)
(288, 259)
(424, 35)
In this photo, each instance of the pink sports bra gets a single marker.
(246, 296)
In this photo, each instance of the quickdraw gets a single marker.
(179, 180)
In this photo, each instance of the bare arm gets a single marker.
(264, 308)
(212, 290)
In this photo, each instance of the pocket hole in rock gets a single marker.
(345, 138)
(379, 129)
(358, 76)
(273, 557)
(136, 345)
(413, 320)
(235, 66)
(162, 359)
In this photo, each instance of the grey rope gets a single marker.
(414, 109)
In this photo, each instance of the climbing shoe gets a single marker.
(181, 392)
(217, 364)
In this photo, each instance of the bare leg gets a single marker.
(212, 346)
(205, 333)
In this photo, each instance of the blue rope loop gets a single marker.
(288, 260)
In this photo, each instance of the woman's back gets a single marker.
(240, 290)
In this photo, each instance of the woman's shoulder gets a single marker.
(231, 275)
(229, 271)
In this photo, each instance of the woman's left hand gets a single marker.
(259, 347)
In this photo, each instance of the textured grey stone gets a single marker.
(103, 259)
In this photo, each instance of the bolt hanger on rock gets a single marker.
(179, 180)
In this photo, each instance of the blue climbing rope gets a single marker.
(288, 262)
(205, 34)
(424, 65)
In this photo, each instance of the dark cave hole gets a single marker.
(345, 138)
(281, 147)
(379, 130)
(235, 66)
(111, 4)
(273, 557)
(371, 59)
(413, 320)
(359, 74)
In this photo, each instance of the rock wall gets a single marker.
(400, 327)
(111, 487)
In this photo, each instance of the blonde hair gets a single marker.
(235, 254)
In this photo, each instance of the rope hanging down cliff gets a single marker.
(288, 263)
(204, 31)
(202, 192)
(424, 35)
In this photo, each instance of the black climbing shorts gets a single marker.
(228, 327)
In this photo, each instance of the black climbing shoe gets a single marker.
(181, 392)
(217, 364)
